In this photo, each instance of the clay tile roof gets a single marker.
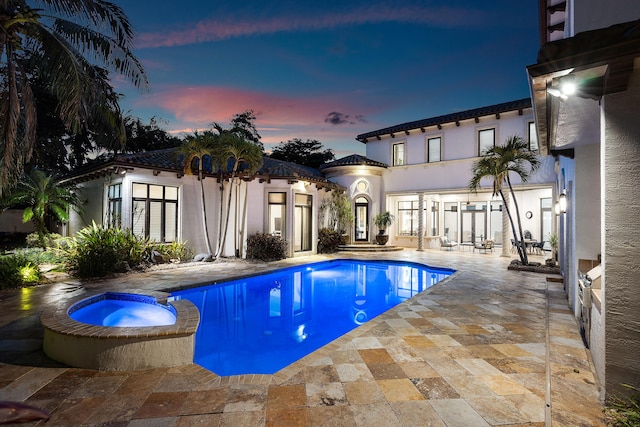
(353, 160)
(168, 161)
(504, 107)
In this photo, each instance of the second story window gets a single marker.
(486, 140)
(398, 154)
(434, 149)
(533, 137)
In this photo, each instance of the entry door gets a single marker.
(362, 220)
(473, 226)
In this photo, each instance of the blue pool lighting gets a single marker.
(261, 324)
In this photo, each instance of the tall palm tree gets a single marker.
(235, 154)
(497, 163)
(64, 42)
(193, 152)
(43, 198)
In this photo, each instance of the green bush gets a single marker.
(97, 251)
(175, 251)
(50, 240)
(328, 240)
(266, 247)
(18, 270)
(624, 411)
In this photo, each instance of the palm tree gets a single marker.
(497, 163)
(43, 198)
(195, 149)
(64, 42)
(232, 153)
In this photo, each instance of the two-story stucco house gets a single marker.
(425, 166)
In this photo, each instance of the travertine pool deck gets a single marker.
(472, 351)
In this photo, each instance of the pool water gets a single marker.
(122, 310)
(261, 324)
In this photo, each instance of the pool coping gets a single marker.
(59, 321)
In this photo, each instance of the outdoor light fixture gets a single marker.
(562, 201)
(566, 87)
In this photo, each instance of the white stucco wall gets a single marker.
(11, 222)
(594, 14)
(587, 202)
(621, 234)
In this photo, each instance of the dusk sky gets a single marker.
(326, 70)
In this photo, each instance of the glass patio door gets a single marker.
(473, 226)
(362, 220)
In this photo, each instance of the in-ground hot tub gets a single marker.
(156, 333)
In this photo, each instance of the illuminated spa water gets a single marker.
(261, 324)
(122, 310)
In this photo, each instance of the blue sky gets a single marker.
(326, 70)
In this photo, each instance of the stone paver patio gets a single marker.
(472, 351)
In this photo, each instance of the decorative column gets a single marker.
(420, 221)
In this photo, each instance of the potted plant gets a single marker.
(553, 241)
(382, 221)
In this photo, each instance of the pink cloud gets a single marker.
(212, 30)
(279, 118)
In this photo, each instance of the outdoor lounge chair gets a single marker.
(448, 244)
(485, 246)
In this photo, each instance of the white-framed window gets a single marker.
(155, 212)
(114, 206)
(408, 218)
(398, 154)
(486, 140)
(277, 213)
(533, 137)
(434, 149)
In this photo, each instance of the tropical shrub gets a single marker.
(50, 240)
(18, 270)
(328, 240)
(624, 411)
(176, 251)
(97, 251)
(266, 247)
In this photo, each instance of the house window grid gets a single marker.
(114, 206)
(277, 204)
(533, 137)
(434, 155)
(148, 202)
(398, 153)
(486, 139)
(408, 217)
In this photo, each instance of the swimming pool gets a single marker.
(261, 324)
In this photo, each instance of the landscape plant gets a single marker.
(497, 163)
(18, 270)
(98, 251)
(43, 198)
(266, 247)
(70, 44)
(175, 251)
(624, 411)
(383, 221)
(328, 240)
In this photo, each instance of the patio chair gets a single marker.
(538, 247)
(485, 246)
(445, 243)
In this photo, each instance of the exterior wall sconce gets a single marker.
(567, 86)
(562, 201)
